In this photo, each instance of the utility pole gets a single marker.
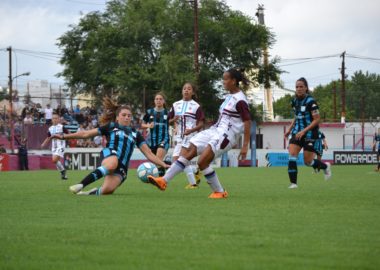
(11, 126)
(343, 93)
(334, 101)
(196, 42)
(268, 97)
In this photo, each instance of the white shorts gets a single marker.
(219, 141)
(58, 152)
(185, 142)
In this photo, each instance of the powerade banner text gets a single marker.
(281, 159)
(82, 161)
(357, 158)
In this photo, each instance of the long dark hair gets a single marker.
(302, 79)
(111, 110)
(239, 76)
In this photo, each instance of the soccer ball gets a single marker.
(146, 169)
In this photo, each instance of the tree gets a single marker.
(137, 47)
(362, 99)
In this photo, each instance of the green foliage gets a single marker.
(135, 45)
(262, 225)
(283, 107)
(362, 99)
(3, 94)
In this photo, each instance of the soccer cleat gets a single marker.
(87, 192)
(158, 182)
(292, 186)
(76, 188)
(190, 186)
(63, 175)
(327, 171)
(198, 176)
(218, 195)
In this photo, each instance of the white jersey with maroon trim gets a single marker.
(232, 114)
(56, 143)
(189, 113)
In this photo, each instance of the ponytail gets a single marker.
(110, 110)
(239, 76)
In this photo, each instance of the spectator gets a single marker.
(2, 149)
(28, 120)
(24, 111)
(48, 114)
(23, 155)
(77, 109)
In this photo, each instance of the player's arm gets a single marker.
(199, 125)
(172, 117)
(374, 145)
(152, 157)
(325, 144)
(145, 124)
(290, 128)
(243, 110)
(200, 122)
(247, 136)
(313, 124)
(85, 134)
(45, 141)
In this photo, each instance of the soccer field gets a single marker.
(262, 225)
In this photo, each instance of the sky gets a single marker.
(303, 29)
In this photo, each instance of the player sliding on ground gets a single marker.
(234, 119)
(121, 140)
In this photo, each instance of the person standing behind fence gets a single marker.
(23, 155)
(48, 115)
(57, 145)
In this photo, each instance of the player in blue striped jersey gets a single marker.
(157, 121)
(121, 140)
(376, 140)
(303, 132)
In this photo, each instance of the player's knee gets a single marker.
(309, 163)
(107, 190)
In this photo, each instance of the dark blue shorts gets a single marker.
(121, 170)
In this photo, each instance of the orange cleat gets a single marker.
(218, 195)
(158, 182)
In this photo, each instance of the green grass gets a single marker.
(262, 225)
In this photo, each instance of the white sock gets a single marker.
(190, 175)
(176, 168)
(212, 179)
(59, 166)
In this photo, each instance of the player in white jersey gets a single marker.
(57, 146)
(234, 119)
(188, 119)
